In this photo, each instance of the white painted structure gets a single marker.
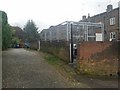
(39, 45)
(99, 37)
(85, 26)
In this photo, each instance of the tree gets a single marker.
(15, 40)
(31, 31)
(19, 33)
(6, 31)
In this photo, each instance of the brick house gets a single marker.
(110, 19)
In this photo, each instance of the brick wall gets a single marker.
(99, 58)
(34, 44)
(89, 48)
(59, 49)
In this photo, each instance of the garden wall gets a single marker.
(34, 45)
(59, 49)
(99, 58)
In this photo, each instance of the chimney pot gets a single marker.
(83, 17)
(109, 8)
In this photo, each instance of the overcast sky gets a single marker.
(51, 12)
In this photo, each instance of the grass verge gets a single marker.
(62, 66)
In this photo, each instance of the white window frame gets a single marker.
(112, 34)
(112, 21)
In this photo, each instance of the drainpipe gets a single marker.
(67, 31)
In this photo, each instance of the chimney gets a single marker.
(83, 17)
(88, 15)
(109, 8)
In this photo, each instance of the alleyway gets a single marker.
(27, 69)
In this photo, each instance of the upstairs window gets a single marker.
(112, 21)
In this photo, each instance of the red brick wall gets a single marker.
(89, 48)
(99, 58)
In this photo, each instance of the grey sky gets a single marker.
(51, 12)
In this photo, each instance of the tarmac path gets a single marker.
(27, 69)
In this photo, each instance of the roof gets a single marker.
(102, 13)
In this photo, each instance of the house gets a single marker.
(110, 19)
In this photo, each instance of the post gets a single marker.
(1, 52)
(71, 43)
(119, 17)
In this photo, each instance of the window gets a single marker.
(112, 21)
(112, 35)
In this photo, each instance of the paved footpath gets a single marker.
(27, 69)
